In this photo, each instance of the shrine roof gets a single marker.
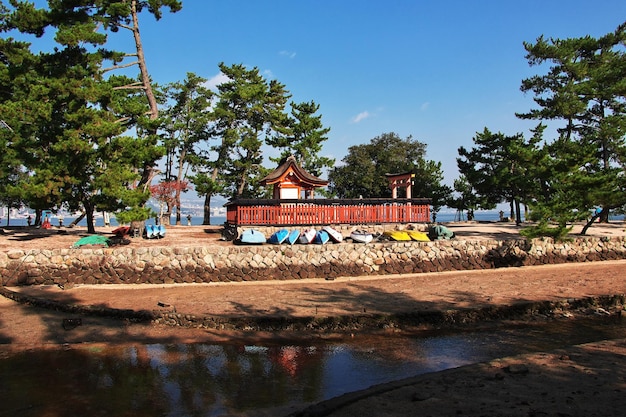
(292, 165)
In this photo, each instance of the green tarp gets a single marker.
(440, 232)
(91, 240)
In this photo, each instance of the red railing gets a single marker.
(299, 212)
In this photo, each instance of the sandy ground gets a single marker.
(56, 238)
(571, 382)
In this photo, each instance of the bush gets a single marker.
(543, 229)
(135, 214)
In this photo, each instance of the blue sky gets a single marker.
(438, 70)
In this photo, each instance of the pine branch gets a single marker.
(130, 64)
(136, 85)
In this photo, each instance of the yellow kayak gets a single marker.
(419, 236)
(399, 235)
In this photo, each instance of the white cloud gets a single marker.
(425, 106)
(216, 80)
(361, 116)
(288, 54)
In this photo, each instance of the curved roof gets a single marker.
(291, 164)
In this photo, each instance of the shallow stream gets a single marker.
(243, 380)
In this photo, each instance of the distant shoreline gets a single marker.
(445, 217)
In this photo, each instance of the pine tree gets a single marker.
(303, 135)
(583, 88)
(497, 168)
(188, 123)
(69, 135)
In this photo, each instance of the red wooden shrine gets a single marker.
(293, 203)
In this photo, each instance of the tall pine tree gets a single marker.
(584, 90)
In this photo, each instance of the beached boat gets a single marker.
(418, 236)
(159, 231)
(321, 237)
(397, 235)
(278, 237)
(121, 231)
(361, 236)
(293, 236)
(307, 236)
(251, 237)
(334, 234)
(149, 232)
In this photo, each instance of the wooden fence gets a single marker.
(323, 212)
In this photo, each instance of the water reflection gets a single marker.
(214, 380)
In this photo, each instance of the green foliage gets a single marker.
(558, 232)
(247, 113)
(583, 87)
(498, 168)
(187, 126)
(362, 173)
(68, 120)
(428, 183)
(135, 214)
(466, 199)
(302, 135)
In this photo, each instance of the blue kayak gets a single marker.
(252, 237)
(278, 237)
(149, 231)
(321, 237)
(293, 236)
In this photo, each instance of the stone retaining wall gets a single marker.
(213, 263)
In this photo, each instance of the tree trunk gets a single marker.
(90, 223)
(178, 220)
(604, 215)
(148, 168)
(77, 220)
(143, 69)
(207, 210)
(596, 215)
(518, 214)
(588, 224)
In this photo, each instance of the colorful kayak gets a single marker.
(418, 236)
(361, 236)
(398, 235)
(121, 231)
(307, 236)
(149, 231)
(335, 235)
(251, 237)
(321, 237)
(278, 237)
(293, 236)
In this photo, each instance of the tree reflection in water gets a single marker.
(209, 380)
